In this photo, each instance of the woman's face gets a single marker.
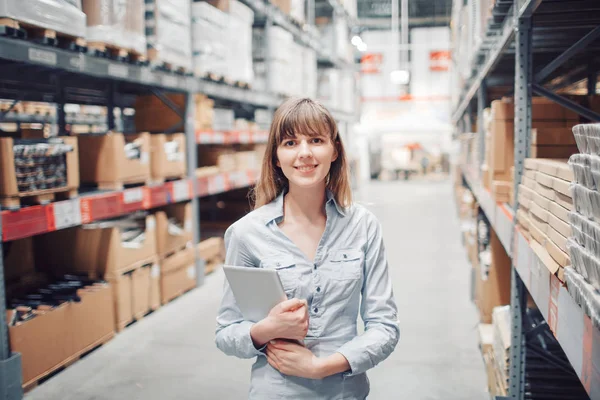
(306, 161)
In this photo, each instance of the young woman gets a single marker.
(330, 257)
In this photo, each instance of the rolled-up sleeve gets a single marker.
(233, 332)
(378, 309)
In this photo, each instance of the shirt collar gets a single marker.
(274, 210)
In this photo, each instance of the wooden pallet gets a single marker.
(243, 85)
(160, 181)
(111, 51)
(125, 184)
(32, 384)
(23, 30)
(38, 197)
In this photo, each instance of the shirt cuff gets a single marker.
(359, 361)
(247, 342)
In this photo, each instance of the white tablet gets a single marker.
(256, 290)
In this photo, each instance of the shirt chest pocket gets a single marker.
(287, 270)
(345, 265)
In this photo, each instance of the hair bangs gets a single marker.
(308, 120)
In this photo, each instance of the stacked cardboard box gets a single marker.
(212, 252)
(502, 339)
(239, 48)
(113, 160)
(551, 137)
(209, 27)
(121, 251)
(545, 201)
(152, 115)
(167, 156)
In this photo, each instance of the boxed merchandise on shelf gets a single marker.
(152, 115)
(209, 28)
(334, 34)
(121, 251)
(167, 156)
(309, 72)
(168, 33)
(177, 274)
(492, 286)
(239, 49)
(223, 119)
(173, 228)
(263, 118)
(297, 10)
(61, 16)
(114, 24)
(38, 169)
(113, 160)
(328, 86)
(278, 66)
(49, 338)
(212, 252)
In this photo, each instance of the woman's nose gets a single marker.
(304, 150)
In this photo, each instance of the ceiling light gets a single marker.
(356, 40)
(362, 46)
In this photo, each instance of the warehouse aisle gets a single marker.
(171, 353)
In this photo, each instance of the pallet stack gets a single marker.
(551, 138)
(495, 342)
(121, 251)
(545, 202)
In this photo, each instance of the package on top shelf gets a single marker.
(63, 16)
(168, 33)
(223, 119)
(263, 118)
(335, 37)
(116, 23)
(328, 85)
(241, 18)
(309, 72)
(298, 10)
(209, 27)
(284, 5)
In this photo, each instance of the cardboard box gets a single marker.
(501, 191)
(8, 173)
(547, 192)
(531, 164)
(537, 229)
(152, 115)
(58, 336)
(526, 192)
(542, 109)
(544, 179)
(530, 174)
(564, 201)
(529, 183)
(523, 219)
(544, 257)
(98, 252)
(104, 160)
(553, 137)
(178, 274)
(556, 168)
(553, 151)
(559, 256)
(167, 156)
(210, 249)
(561, 227)
(169, 240)
(559, 211)
(284, 5)
(559, 240)
(18, 259)
(140, 281)
(541, 201)
(562, 187)
(495, 291)
(122, 299)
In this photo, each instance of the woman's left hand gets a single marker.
(293, 359)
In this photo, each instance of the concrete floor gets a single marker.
(171, 353)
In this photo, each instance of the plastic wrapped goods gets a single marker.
(62, 16)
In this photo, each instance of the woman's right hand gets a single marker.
(287, 320)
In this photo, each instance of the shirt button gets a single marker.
(278, 264)
(315, 266)
(316, 310)
(319, 289)
(345, 256)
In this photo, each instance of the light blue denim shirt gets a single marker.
(349, 274)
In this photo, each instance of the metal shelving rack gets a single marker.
(541, 43)
(34, 72)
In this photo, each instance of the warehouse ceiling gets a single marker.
(376, 14)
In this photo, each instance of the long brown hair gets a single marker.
(302, 116)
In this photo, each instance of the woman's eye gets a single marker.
(317, 140)
(288, 143)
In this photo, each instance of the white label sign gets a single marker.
(245, 137)
(145, 157)
(155, 271)
(133, 195)
(42, 56)
(119, 71)
(67, 213)
(181, 190)
(191, 272)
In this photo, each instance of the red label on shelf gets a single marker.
(100, 207)
(156, 196)
(553, 303)
(181, 190)
(202, 187)
(132, 199)
(25, 222)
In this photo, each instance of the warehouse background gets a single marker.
(132, 130)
